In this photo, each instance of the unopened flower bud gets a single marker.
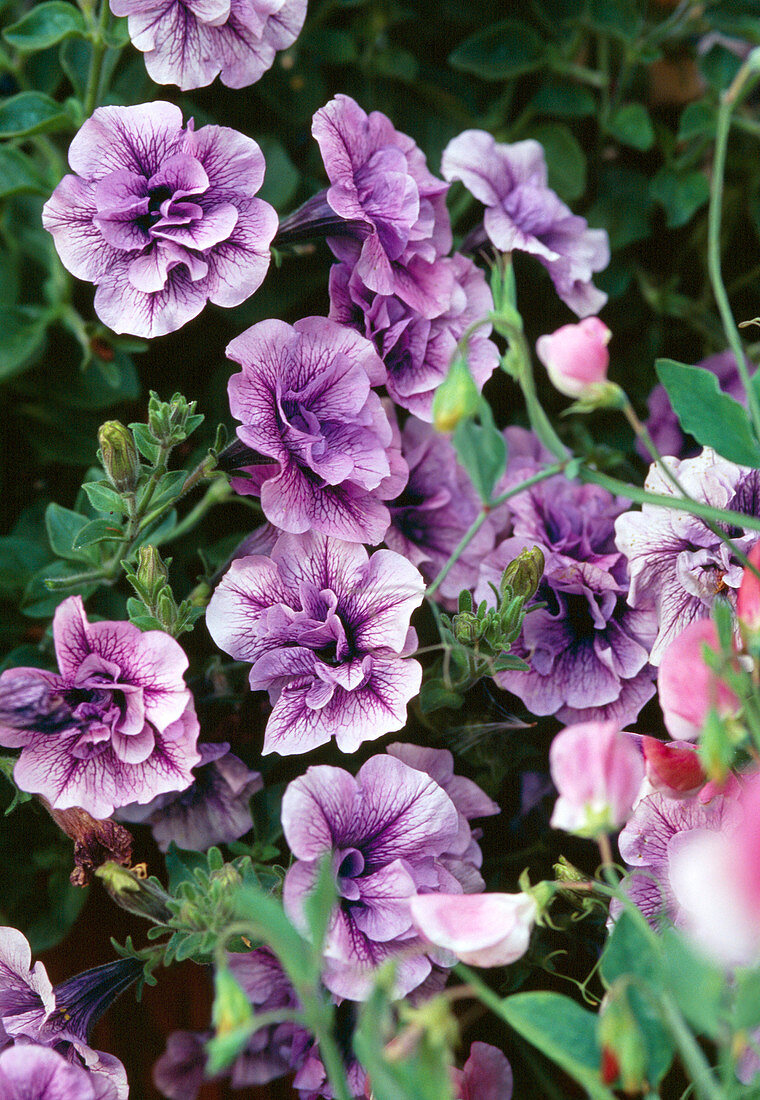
(456, 399)
(232, 1009)
(137, 895)
(120, 458)
(466, 628)
(152, 573)
(524, 573)
(673, 768)
(622, 1042)
(576, 356)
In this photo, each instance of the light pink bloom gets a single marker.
(598, 772)
(688, 689)
(486, 1075)
(715, 878)
(480, 929)
(748, 596)
(576, 356)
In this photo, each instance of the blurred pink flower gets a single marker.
(688, 689)
(598, 772)
(480, 929)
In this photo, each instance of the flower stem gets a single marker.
(728, 102)
(99, 48)
(477, 523)
(642, 434)
(693, 507)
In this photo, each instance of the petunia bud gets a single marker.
(152, 573)
(120, 458)
(688, 689)
(456, 398)
(598, 772)
(524, 573)
(137, 895)
(576, 357)
(748, 600)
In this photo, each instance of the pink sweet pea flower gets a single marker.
(598, 772)
(715, 879)
(480, 929)
(576, 357)
(748, 596)
(688, 689)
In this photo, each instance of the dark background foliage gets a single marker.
(623, 95)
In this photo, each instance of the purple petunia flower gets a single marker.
(464, 858)
(307, 409)
(189, 44)
(117, 723)
(32, 1072)
(160, 217)
(662, 423)
(384, 214)
(435, 509)
(587, 649)
(312, 1083)
(523, 214)
(384, 831)
(417, 351)
(33, 1012)
(213, 810)
(326, 628)
(677, 564)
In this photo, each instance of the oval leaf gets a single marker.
(45, 25)
(502, 50)
(711, 416)
(32, 113)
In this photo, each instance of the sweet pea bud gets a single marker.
(524, 573)
(748, 601)
(457, 397)
(576, 356)
(624, 1052)
(232, 1017)
(120, 458)
(597, 770)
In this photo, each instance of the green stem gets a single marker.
(539, 421)
(218, 491)
(477, 523)
(693, 507)
(643, 435)
(715, 211)
(99, 48)
(691, 1053)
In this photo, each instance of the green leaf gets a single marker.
(629, 950)
(103, 498)
(698, 986)
(45, 25)
(145, 442)
(711, 416)
(681, 193)
(282, 177)
(746, 1007)
(698, 120)
(63, 527)
(564, 158)
(23, 329)
(482, 451)
(564, 100)
(97, 530)
(39, 602)
(631, 125)
(434, 695)
(19, 558)
(561, 1030)
(500, 51)
(32, 113)
(623, 206)
(18, 173)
